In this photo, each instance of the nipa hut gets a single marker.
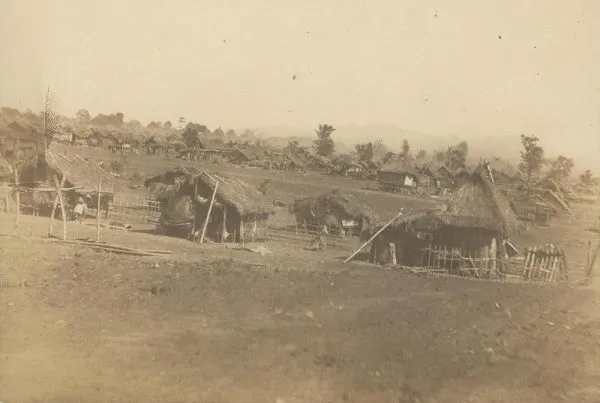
(533, 208)
(82, 177)
(470, 234)
(239, 211)
(395, 179)
(162, 187)
(339, 211)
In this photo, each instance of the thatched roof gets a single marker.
(85, 175)
(163, 193)
(295, 160)
(422, 220)
(16, 130)
(172, 176)
(477, 204)
(233, 192)
(344, 203)
(430, 171)
(81, 173)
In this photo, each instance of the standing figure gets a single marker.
(320, 241)
(80, 210)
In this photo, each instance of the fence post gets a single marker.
(62, 207)
(62, 183)
(6, 202)
(122, 207)
(17, 199)
(98, 210)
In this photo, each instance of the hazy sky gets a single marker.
(446, 66)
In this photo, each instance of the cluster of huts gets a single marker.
(471, 232)
(419, 178)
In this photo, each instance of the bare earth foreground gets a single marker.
(210, 324)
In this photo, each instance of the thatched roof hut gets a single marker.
(398, 178)
(238, 208)
(164, 186)
(334, 208)
(85, 175)
(478, 204)
(475, 217)
(80, 174)
(173, 176)
(244, 198)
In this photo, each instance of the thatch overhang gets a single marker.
(244, 198)
(478, 203)
(475, 205)
(234, 193)
(342, 205)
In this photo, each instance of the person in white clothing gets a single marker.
(80, 209)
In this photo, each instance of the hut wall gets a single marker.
(413, 251)
(245, 228)
(395, 179)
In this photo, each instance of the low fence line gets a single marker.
(138, 210)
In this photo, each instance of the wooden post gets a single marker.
(242, 231)
(17, 198)
(62, 183)
(6, 202)
(224, 224)
(62, 207)
(493, 256)
(98, 210)
(373, 237)
(393, 253)
(592, 261)
(212, 201)
(122, 208)
(588, 270)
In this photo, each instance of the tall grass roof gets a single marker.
(233, 192)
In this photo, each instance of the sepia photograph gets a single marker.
(277, 201)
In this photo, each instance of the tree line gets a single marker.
(531, 165)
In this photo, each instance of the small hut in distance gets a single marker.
(337, 210)
(469, 235)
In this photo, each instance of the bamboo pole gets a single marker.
(373, 237)
(17, 198)
(98, 210)
(62, 183)
(62, 207)
(6, 202)
(493, 255)
(224, 224)
(212, 201)
(591, 266)
(393, 253)
(588, 270)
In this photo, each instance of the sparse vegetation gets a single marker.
(324, 144)
(587, 177)
(561, 168)
(532, 159)
(365, 151)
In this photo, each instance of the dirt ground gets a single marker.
(209, 323)
(212, 324)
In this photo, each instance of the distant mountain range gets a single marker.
(507, 147)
